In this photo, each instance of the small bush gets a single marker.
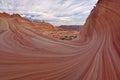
(68, 37)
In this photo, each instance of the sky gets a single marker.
(56, 12)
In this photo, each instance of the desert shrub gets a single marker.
(68, 37)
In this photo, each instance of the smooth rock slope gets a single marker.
(94, 55)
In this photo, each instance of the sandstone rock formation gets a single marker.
(94, 55)
(71, 27)
(43, 28)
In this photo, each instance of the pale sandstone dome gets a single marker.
(94, 55)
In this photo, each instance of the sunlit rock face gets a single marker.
(94, 55)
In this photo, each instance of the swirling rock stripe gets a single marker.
(94, 55)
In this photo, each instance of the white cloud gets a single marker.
(55, 11)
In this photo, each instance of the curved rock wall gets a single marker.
(95, 55)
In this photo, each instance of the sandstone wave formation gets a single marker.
(94, 55)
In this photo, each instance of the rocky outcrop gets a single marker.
(94, 55)
(43, 28)
(71, 27)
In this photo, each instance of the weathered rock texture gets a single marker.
(94, 55)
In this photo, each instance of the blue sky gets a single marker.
(57, 12)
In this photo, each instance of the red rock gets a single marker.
(4, 15)
(94, 55)
(16, 15)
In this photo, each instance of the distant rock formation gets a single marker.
(43, 28)
(70, 27)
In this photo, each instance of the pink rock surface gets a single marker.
(94, 55)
